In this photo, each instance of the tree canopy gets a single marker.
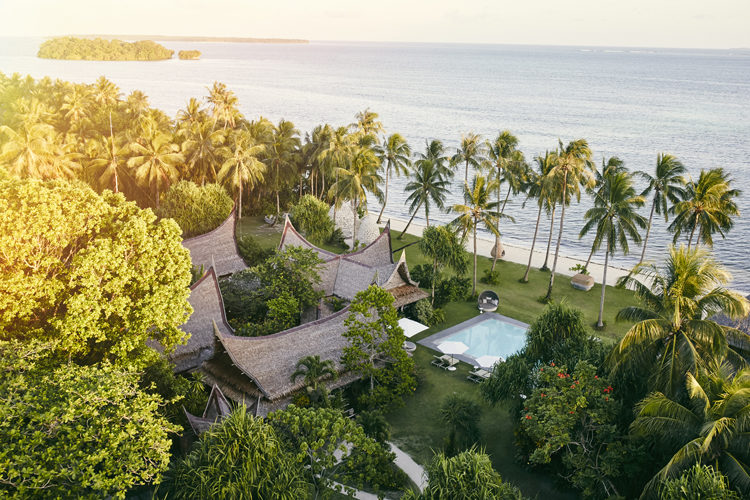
(98, 49)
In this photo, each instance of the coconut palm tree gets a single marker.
(136, 104)
(471, 153)
(314, 371)
(445, 249)
(105, 93)
(394, 155)
(667, 184)
(337, 155)
(367, 123)
(615, 219)
(712, 429)
(193, 112)
(539, 187)
(279, 156)
(435, 152)
(426, 187)
(224, 105)
(242, 166)
(707, 206)
(673, 332)
(109, 155)
(200, 146)
(574, 168)
(155, 162)
(77, 107)
(477, 210)
(36, 151)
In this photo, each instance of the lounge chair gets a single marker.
(445, 361)
(479, 375)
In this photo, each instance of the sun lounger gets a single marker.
(479, 375)
(445, 361)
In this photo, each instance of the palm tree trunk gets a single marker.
(600, 323)
(323, 191)
(385, 200)
(434, 279)
(278, 205)
(690, 241)
(239, 200)
(497, 226)
(591, 254)
(466, 174)
(506, 199)
(474, 287)
(354, 227)
(114, 158)
(427, 213)
(549, 239)
(559, 237)
(648, 230)
(400, 236)
(533, 242)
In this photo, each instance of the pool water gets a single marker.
(492, 337)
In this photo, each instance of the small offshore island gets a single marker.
(99, 49)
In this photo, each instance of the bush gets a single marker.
(698, 482)
(375, 425)
(197, 209)
(251, 251)
(420, 311)
(461, 414)
(337, 238)
(491, 277)
(422, 274)
(451, 290)
(558, 322)
(310, 216)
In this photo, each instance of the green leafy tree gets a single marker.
(573, 168)
(616, 221)
(196, 209)
(330, 448)
(712, 428)
(75, 431)
(461, 415)
(296, 271)
(708, 206)
(573, 414)
(395, 156)
(310, 215)
(667, 184)
(446, 251)
(467, 476)
(700, 482)
(373, 337)
(95, 273)
(242, 457)
(673, 332)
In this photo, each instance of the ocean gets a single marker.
(630, 103)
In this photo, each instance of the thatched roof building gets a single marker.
(217, 409)
(217, 248)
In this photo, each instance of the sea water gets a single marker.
(630, 103)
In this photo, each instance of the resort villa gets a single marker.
(256, 371)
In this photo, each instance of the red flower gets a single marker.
(572, 386)
(552, 364)
(571, 412)
(543, 394)
(596, 376)
(528, 417)
(606, 398)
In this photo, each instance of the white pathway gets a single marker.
(413, 469)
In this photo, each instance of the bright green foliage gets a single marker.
(94, 273)
(310, 215)
(558, 324)
(102, 50)
(375, 425)
(373, 334)
(241, 458)
(573, 414)
(711, 428)
(461, 415)
(467, 476)
(331, 447)
(251, 251)
(75, 431)
(698, 483)
(295, 270)
(314, 370)
(423, 312)
(188, 392)
(452, 289)
(444, 247)
(196, 209)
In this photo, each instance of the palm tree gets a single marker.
(539, 187)
(193, 112)
(77, 106)
(242, 166)
(435, 152)
(155, 162)
(201, 144)
(471, 152)
(109, 156)
(36, 151)
(105, 93)
(477, 210)
(280, 156)
(673, 332)
(502, 156)
(337, 155)
(667, 184)
(367, 123)
(445, 249)
(314, 371)
(136, 104)
(615, 218)
(573, 167)
(427, 186)
(707, 206)
(713, 428)
(224, 105)
(394, 154)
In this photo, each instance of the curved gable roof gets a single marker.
(217, 248)
(290, 237)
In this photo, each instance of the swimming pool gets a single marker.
(488, 334)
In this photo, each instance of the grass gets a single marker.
(417, 427)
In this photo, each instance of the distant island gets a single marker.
(167, 38)
(99, 49)
(189, 55)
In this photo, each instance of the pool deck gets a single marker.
(433, 340)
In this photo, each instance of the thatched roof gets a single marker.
(270, 360)
(208, 309)
(217, 409)
(217, 248)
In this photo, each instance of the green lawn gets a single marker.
(417, 427)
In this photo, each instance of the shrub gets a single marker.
(491, 277)
(557, 323)
(461, 414)
(422, 274)
(375, 425)
(251, 251)
(451, 290)
(420, 311)
(699, 482)
(310, 216)
(197, 209)
(580, 269)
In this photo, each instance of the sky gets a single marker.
(630, 23)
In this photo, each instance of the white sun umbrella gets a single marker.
(451, 347)
(488, 361)
(411, 327)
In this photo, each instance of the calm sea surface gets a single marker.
(630, 103)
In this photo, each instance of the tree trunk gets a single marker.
(600, 323)
(427, 213)
(559, 237)
(354, 227)
(400, 236)
(549, 239)
(278, 205)
(239, 200)
(690, 241)
(114, 158)
(474, 288)
(533, 242)
(591, 254)
(466, 174)
(385, 200)
(648, 230)
(323, 190)
(497, 224)
(434, 279)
